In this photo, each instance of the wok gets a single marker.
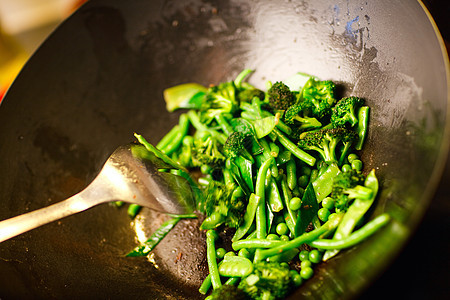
(99, 77)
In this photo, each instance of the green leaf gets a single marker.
(307, 211)
(145, 248)
(187, 95)
(264, 126)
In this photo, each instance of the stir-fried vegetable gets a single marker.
(281, 168)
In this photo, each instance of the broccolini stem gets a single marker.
(354, 238)
(199, 126)
(211, 258)
(299, 153)
(226, 127)
(331, 224)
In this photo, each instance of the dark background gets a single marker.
(422, 270)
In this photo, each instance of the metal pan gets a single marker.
(99, 77)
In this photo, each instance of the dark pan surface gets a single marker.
(100, 76)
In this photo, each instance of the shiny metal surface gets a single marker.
(67, 111)
(131, 175)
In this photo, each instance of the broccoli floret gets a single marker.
(207, 152)
(345, 111)
(280, 96)
(228, 292)
(347, 186)
(236, 144)
(317, 97)
(325, 141)
(269, 280)
(247, 95)
(222, 205)
(219, 99)
(292, 117)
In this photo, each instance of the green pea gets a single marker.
(205, 169)
(328, 203)
(323, 214)
(303, 181)
(305, 170)
(346, 168)
(273, 236)
(295, 203)
(220, 253)
(306, 273)
(297, 279)
(230, 253)
(315, 256)
(244, 253)
(352, 156)
(284, 237)
(282, 228)
(357, 165)
(305, 264)
(303, 255)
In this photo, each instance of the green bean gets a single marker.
(261, 227)
(283, 157)
(299, 153)
(291, 173)
(256, 243)
(300, 240)
(363, 124)
(232, 281)
(133, 210)
(249, 216)
(211, 258)
(354, 214)
(206, 284)
(274, 197)
(267, 155)
(274, 149)
(356, 237)
(290, 217)
(175, 143)
(168, 137)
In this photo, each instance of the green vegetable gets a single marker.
(221, 207)
(317, 97)
(211, 237)
(235, 266)
(155, 238)
(187, 95)
(278, 166)
(268, 280)
(355, 237)
(280, 96)
(326, 142)
(227, 292)
(345, 110)
(355, 213)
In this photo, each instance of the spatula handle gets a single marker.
(11, 227)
